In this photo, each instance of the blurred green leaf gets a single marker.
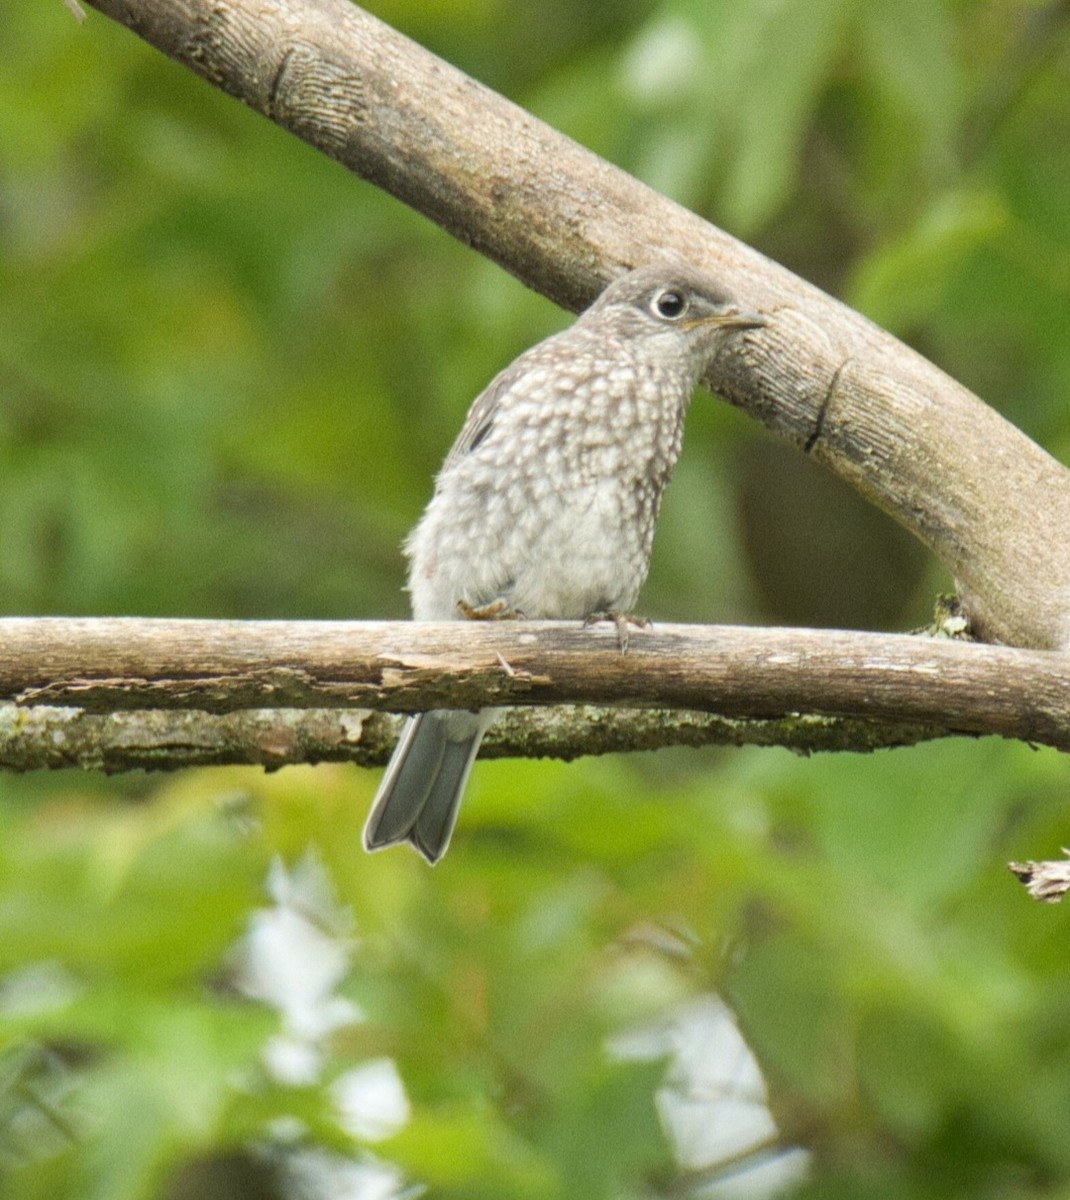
(789, 48)
(905, 283)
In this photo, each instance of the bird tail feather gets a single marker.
(420, 792)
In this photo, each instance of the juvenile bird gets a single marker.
(545, 506)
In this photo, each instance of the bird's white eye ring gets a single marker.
(669, 304)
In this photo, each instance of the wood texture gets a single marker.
(105, 665)
(47, 737)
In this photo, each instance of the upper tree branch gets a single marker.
(990, 503)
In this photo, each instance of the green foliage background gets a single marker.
(228, 372)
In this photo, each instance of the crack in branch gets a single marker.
(819, 422)
(276, 83)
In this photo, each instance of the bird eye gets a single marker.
(670, 305)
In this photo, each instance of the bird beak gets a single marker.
(737, 318)
(728, 318)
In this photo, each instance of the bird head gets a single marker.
(673, 305)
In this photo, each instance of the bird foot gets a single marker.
(622, 621)
(496, 610)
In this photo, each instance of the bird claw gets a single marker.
(496, 610)
(622, 621)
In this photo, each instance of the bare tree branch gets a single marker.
(989, 502)
(170, 740)
(101, 665)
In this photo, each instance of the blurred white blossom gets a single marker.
(371, 1100)
(293, 957)
(295, 953)
(317, 1174)
(713, 1104)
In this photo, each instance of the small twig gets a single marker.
(1047, 881)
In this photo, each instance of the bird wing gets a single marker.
(480, 418)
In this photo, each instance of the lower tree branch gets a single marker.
(894, 688)
(170, 740)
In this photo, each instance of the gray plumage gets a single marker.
(546, 505)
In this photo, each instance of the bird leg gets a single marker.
(622, 621)
(496, 610)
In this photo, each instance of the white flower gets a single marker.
(371, 1100)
